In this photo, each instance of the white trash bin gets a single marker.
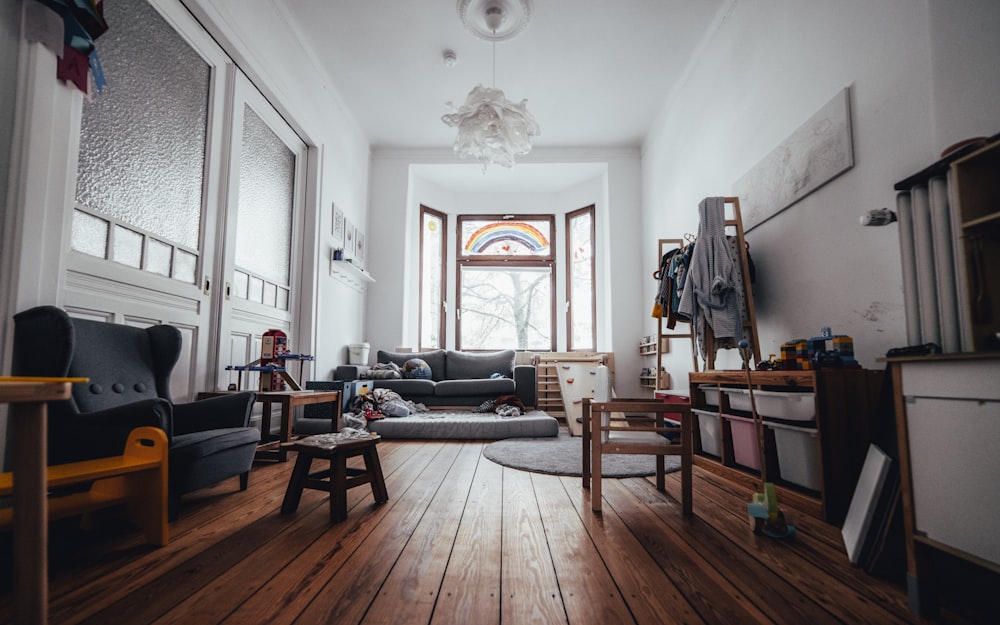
(357, 353)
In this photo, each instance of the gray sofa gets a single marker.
(458, 379)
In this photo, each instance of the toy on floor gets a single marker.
(763, 512)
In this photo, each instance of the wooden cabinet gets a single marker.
(977, 226)
(948, 429)
(949, 226)
(832, 444)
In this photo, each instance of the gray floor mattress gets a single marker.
(445, 424)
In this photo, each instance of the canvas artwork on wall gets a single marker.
(817, 152)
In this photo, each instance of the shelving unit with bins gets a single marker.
(648, 347)
(845, 404)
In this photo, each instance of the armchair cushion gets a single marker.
(224, 411)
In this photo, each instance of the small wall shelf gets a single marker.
(354, 277)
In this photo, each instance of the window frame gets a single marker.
(501, 262)
(570, 216)
(443, 317)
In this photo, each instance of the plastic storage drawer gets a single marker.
(711, 393)
(708, 427)
(798, 455)
(774, 404)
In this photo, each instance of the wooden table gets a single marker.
(271, 449)
(29, 429)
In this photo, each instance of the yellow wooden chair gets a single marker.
(606, 430)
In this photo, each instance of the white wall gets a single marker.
(766, 69)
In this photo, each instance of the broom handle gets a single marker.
(758, 423)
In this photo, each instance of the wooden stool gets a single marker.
(339, 477)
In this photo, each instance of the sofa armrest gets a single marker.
(349, 372)
(525, 384)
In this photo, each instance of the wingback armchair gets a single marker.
(129, 370)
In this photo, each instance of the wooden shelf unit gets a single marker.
(845, 405)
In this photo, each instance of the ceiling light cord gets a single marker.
(494, 58)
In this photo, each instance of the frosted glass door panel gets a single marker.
(266, 196)
(143, 138)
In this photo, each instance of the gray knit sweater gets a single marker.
(710, 296)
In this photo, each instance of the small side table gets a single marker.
(270, 449)
(339, 477)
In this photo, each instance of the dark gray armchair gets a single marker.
(129, 370)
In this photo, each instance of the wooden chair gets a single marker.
(607, 431)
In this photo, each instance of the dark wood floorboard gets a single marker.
(462, 541)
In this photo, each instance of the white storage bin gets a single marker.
(775, 404)
(798, 455)
(711, 393)
(708, 427)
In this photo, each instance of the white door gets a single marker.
(188, 202)
(151, 153)
(262, 232)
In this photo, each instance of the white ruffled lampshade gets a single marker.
(491, 128)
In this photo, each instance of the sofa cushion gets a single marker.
(471, 365)
(414, 390)
(474, 388)
(434, 359)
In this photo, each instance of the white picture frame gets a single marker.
(338, 224)
(359, 247)
(349, 243)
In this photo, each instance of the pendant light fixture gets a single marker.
(491, 128)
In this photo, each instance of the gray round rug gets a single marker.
(562, 455)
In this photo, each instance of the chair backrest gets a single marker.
(125, 364)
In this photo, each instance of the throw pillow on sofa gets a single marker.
(383, 371)
(417, 369)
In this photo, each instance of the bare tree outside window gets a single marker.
(506, 282)
(506, 308)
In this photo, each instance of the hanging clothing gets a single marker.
(710, 296)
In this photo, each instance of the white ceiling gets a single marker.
(595, 73)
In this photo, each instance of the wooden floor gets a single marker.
(464, 541)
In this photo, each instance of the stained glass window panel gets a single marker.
(432, 262)
(580, 257)
(498, 237)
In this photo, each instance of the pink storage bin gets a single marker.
(745, 449)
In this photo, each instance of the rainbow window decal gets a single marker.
(528, 237)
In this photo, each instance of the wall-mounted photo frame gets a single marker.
(349, 248)
(338, 224)
(359, 245)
